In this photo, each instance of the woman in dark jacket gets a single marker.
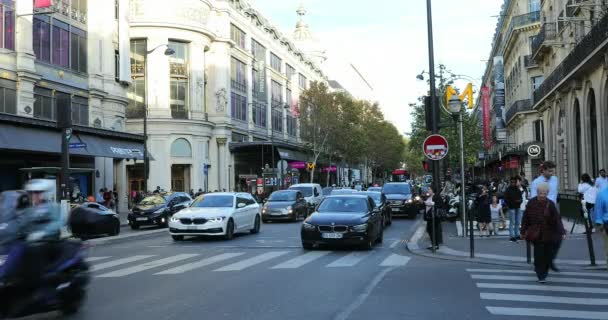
(542, 225)
(484, 216)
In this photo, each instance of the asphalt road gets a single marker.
(269, 276)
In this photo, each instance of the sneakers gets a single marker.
(542, 281)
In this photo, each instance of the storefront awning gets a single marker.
(21, 138)
(292, 155)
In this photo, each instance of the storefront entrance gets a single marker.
(180, 177)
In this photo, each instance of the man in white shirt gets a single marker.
(547, 176)
(602, 181)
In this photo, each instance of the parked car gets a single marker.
(380, 201)
(92, 219)
(285, 204)
(312, 192)
(217, 214)
(375, 189)
(400, 199)
(158, 208)
(327, 191)
(345, 219)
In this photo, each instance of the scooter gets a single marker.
(62, 286)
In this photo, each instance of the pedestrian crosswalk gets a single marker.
(567, 295)
(175, 264)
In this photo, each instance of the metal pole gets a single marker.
(146, 125)
(588, 229)
(65, 163)
(462, 185)
(434, 111)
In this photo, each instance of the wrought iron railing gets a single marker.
(529, 62)
(517, 107)
(547, 32)
(519, 21)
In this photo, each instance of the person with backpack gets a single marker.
(513, 200)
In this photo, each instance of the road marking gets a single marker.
(395, 260)
(562, 273)
(146, 266)
(349, 260)
(202, 263)
(346, 313)
(252, 261)
(540, 288)
(93, 259)
(301, 260)
(110, 264)
(552, 280)
(555, 313)
(543, 299)
(394, 244)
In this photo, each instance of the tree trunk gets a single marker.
(328, 172)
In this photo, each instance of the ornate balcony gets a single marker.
(544, 39)
(517, 107)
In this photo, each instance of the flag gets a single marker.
(39, 4)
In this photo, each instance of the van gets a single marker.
(312, 192)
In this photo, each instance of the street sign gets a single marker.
(78, 145)
(205, 169)
(534, 150)
(435, 147)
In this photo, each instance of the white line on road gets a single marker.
(554, 313)
(202, 263)
(363, 296)
(93, 259)
(349, 260)
(541, 288)
(394, 244)
(252, 261)
(301, 260)
(146, 266)
(526, 278)
(543, 299)
(395, 260)
(118, 262)
(562, 273)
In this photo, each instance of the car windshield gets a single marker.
(152, 201)
(343, 204)
(374, 189)
(282, 196)
(213, 201)
(376, 196)
(327, 191)
(344, 191)
(306, 191)
(397, 188)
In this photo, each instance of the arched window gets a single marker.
(577, 125)
(181, 148)
(593, 132)
(97, 123)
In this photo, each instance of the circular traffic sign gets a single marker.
(435, 147)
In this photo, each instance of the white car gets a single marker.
(217, 214)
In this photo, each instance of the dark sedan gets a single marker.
(285, 204)
(92, 219)
(158, 208)
(344, 219)
(400, 199)
(382, 205)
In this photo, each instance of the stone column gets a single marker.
(26, 74)
(222, 169)
(122, 186)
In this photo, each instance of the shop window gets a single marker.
(59, 43)
(8, 94)
(44, 104)
(7, 24)
(181, 148)
(80, 111)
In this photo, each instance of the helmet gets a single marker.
(40, 185)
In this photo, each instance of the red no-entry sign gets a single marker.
(435, 147)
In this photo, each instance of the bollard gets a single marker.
(588, 229)
(528, 252)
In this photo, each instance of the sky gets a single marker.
(387, 41)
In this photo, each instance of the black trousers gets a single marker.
(438, 231)
(544, 253)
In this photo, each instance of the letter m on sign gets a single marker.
(40, 4)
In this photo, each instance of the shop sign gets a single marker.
(534, 150)
(298, 165)
(247, 176)
(330, 169)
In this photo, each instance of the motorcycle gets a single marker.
(454, 207)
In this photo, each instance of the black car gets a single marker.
(380, 200)
(344, 219)
(156, 209)
(285, 204)
(92, 219)
(400, 199)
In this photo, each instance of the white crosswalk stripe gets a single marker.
(301, 260)
(147, 265)
(573, 295)
(252, 261)
(114, 263)
(93, 259)
(202, 263)
(349, 260)
(395, 260)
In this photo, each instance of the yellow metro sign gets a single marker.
(310, 166)
(467, 93)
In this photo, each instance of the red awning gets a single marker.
(39, 4)
(399, 172)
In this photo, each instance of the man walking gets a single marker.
(601, 182)
(547, 176)
(601, 216)
(513, 198)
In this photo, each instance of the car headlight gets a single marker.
(161, 210)
(289, 209)
(264, 209)
(308, 226)
(408, 201)
(417, 198)
(216, 219)
(174, 219)
(359, 228)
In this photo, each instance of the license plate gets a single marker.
(190, 227)
(331, 235)
(395, 209)
(276, 213)
(141, 219)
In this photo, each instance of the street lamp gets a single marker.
(167, 52)
(456, 110)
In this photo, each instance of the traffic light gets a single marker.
(428, 113)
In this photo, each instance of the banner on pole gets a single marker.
(485, 109)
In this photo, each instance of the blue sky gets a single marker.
(387, 40)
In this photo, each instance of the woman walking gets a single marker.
(484, 216)
(431, 201)
(589, 193)
(542, 225)
(495, 214)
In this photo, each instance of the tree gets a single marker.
(412, 157)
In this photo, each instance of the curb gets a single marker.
(413, 247)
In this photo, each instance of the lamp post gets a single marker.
(168, 52)
(456, 110)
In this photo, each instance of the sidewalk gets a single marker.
(498, 249)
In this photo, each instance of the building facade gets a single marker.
(224, 105)
(65, 53)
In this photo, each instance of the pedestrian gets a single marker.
(484, 215)
(107, 198)
(157, 190)
(513, 200)
(601, 182)
(191, 193)
(198, 193)
(542, 225)
(547, 170)
(431, 203)
(99, 197)
(495, 214)
(588, 191)
(601, 217)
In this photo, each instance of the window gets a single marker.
(7, 24)
(238, 104)
(237, 137)
(116, 9)
(8, 97)
(42, 39)
(276, 90)
(539, 131)
(534, 5)
(289, 72)
(275, 62)
(258, 50)
(238, 36)
(288, 99)
(59, 43)
(178, 66)
(116, 65)
(79, 50)
(302, 81)
(137, 90)
(259, 114)
(536, 82)
(60, 37)
(80, 111)
(181, 148)
(277, 120)
(259, 87)
(238, 75)
(292, 125)
(44, 104)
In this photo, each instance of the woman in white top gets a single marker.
(495, 210)
(589, 192)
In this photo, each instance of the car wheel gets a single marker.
(306, 246)
(116, 229)
(229, 230)
(369, 244)
(390, 218)
(134, 226)
(381, 237)
(177, 238)
(256, 225)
